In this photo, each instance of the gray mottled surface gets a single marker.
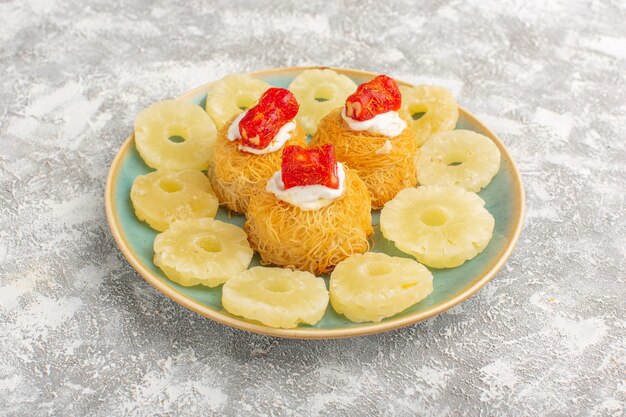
(82, 334)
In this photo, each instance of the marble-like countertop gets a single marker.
(83, 334)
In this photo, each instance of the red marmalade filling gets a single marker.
(372, 98)
(262, 122)
(309, 166)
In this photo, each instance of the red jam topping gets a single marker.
(262, 122)
(372, 98)
(309, 166)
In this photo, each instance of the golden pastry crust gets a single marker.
(384, 174)
(236, 176)
(315, 240)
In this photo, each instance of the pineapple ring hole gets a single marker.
(245, 101)
(176, 139)
(277, 285)
(417, 111)
(324, 93)
(170, 186)
(375, 269)
(434, 216)
(209, 244)
(454, 160)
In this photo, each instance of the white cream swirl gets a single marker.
(307, 197)
(388, 124)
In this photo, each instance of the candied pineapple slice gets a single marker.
(276, 297)
(231, 95)
(460, 157)
(442, 226)
(319, 91)
(162, 197)
(373, 286)
(439, 108)
(202, 251)
(176, 135)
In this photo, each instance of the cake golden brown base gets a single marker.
(236, 176)
(316, 240)
(384, 174)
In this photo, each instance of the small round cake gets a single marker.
(374, 139)
(310, 220)
(240, 168)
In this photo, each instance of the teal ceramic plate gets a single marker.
(504, 198)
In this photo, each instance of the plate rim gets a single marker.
(359, 329)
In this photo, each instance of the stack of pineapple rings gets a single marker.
(442, 223)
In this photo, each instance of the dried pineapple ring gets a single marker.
(231, 95)
(175, 135)
(162, 197)
(202, 251)
(319, 91)
(372, 286)
(438, 105)
(276, 297)
(442, 226)
(459, 157)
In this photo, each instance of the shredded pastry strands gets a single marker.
(313, 241)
